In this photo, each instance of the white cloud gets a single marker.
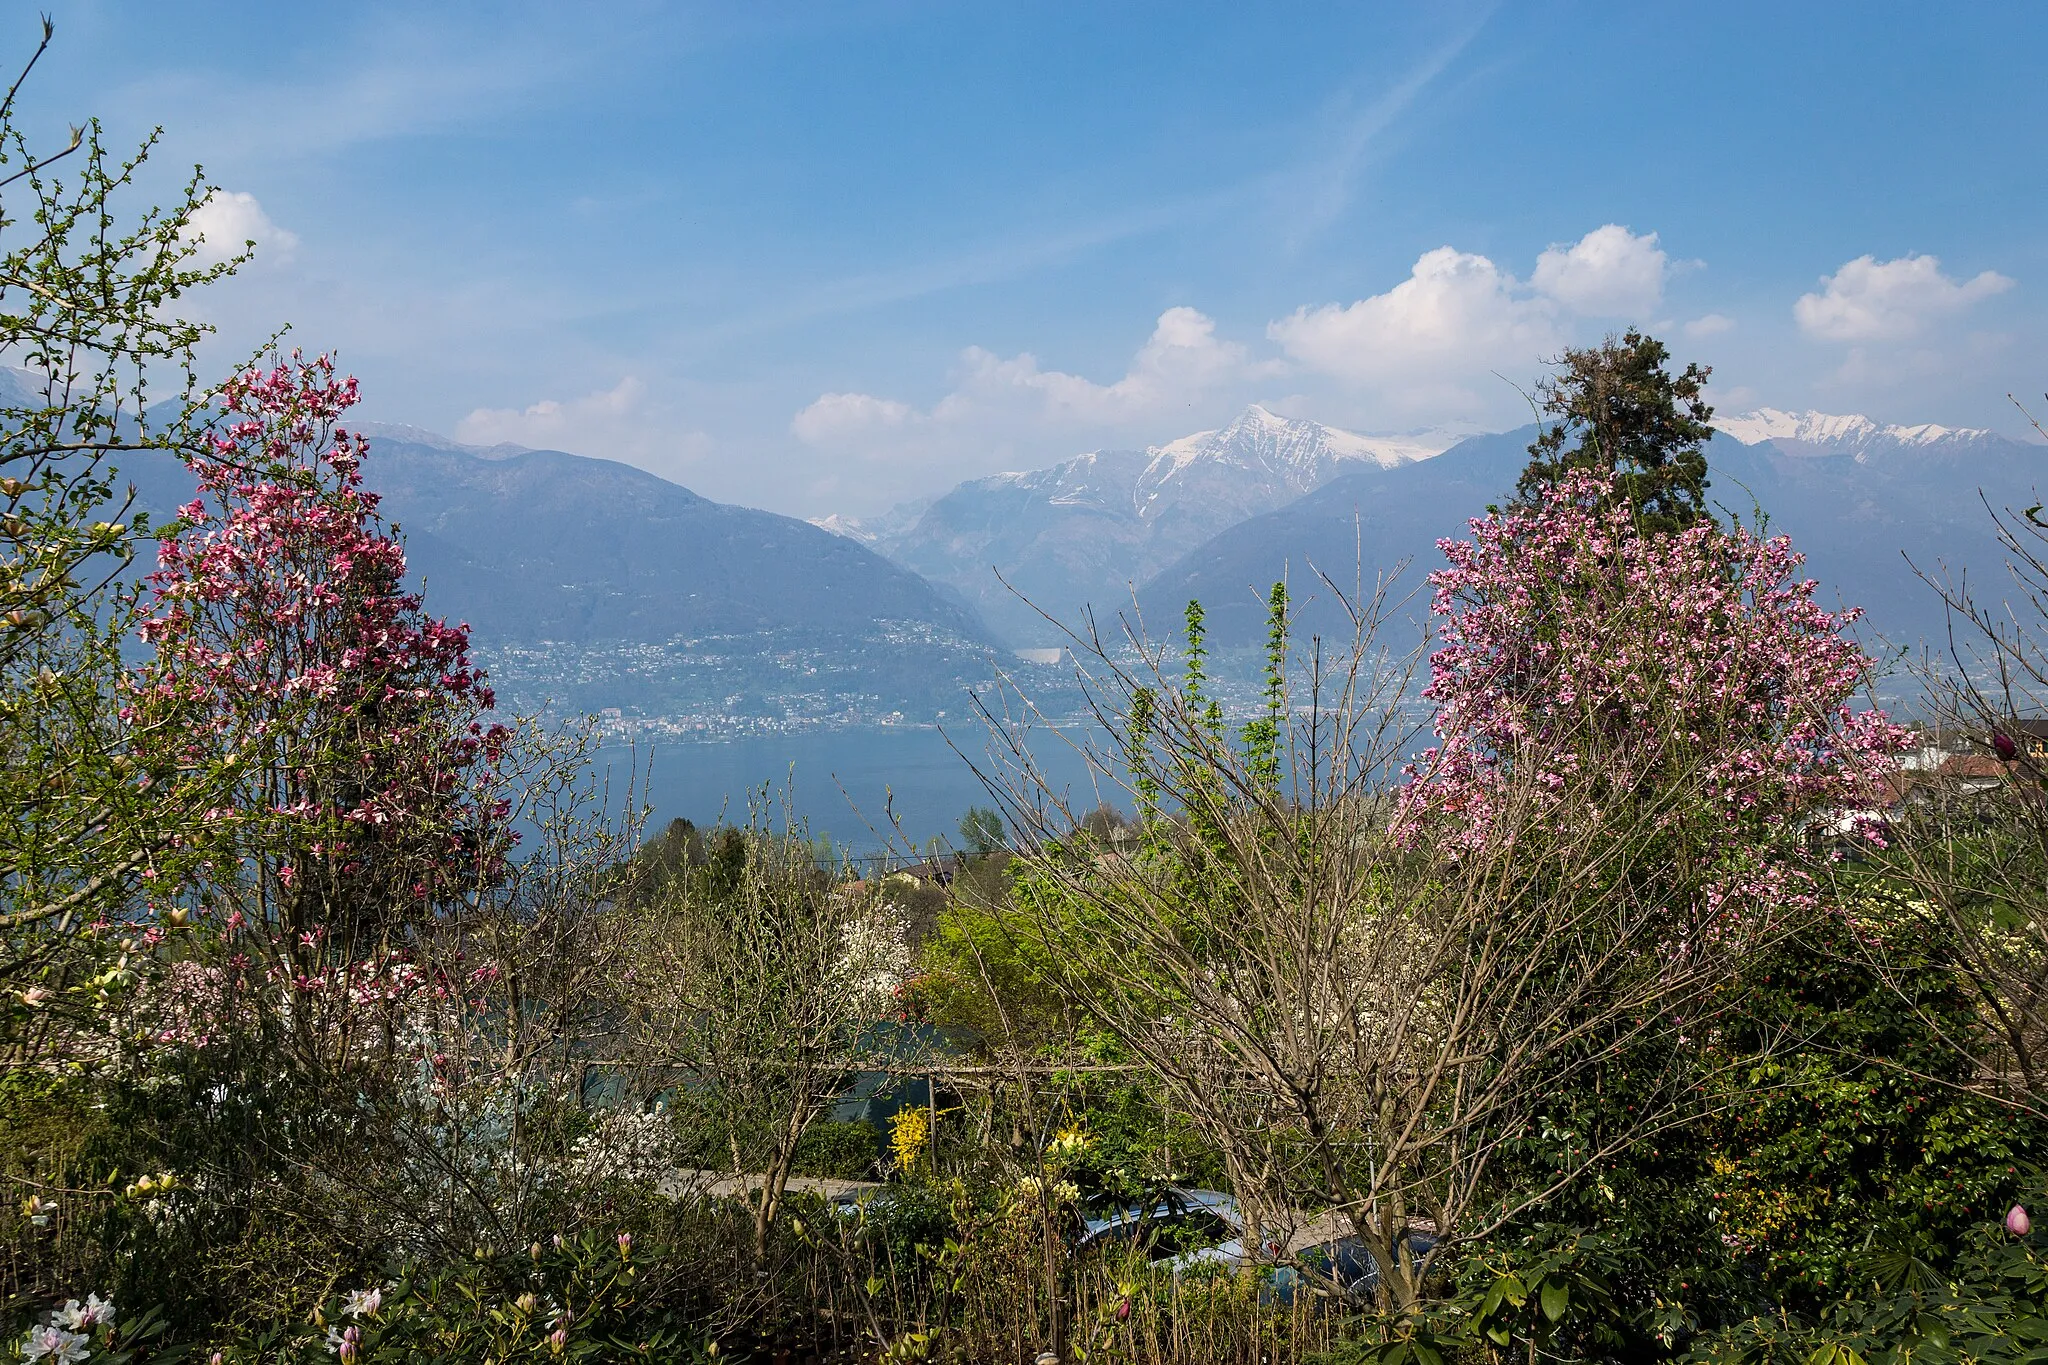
(619, 423)
(1429, 346)
(1712, 324)
(1455, 315)
(835, 415)
(550, 424)
(1873, 300)
(1182, 357)
(1609, 272)
(229, 220)
(1182, 360)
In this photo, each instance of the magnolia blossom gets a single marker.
(281, 624)
(290, 659)
(1568, 638)
(1584, 664)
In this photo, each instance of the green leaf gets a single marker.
(1556, 1297)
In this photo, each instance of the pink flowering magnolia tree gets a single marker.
(1681, 681)
(359, 799)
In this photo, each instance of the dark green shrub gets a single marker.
(839, 1150)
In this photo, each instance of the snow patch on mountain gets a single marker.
(871, 530)
(1823, 433)
(1261, 436)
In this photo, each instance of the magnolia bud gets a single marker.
(2017, 1223)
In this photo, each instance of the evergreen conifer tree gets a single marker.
(1615, 410)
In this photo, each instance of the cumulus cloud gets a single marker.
(1609, 272)
(1182, 357)
(1873, 300)
(1459, 316)
(1454, 307)
(1424, 349)
(835, 415)
(228, 221)
(551, 424)
(1712, 324)
(1181, 360)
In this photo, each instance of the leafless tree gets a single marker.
(1973, 833)
(1358, 1015)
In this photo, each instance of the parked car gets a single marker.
(1179, 1221)
(1344, 1260)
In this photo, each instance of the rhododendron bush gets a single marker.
(1587, 669)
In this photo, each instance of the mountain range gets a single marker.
(592, 584)
(1871, 507)
(1090, 530)
(596, 585)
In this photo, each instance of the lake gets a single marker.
(845, 782)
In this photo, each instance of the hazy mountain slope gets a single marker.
(1857, 508)
(597, 584)
(1087, 529)
(1862, 500)
(1370, 516)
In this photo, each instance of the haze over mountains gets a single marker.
(1220, 515)
(1864, 503)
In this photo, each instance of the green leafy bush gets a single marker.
(843, 1150)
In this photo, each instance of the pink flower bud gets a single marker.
(558, 1340)
(625, 1244)
(2017, 1223)
(1123, 1310)
(2007, 750)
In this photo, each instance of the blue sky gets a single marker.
(820, 258)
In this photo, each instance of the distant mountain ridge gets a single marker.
(1821, 433)
(1089, 529)
(1871, 508)
(595, 584)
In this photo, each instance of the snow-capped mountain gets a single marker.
(1871, 507)
(1088, 529)
(1822, 433)
(869, 531)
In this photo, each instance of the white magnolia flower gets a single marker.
(54, 1344)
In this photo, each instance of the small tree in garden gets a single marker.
(351, 723)
(757, 990)
(91, 325)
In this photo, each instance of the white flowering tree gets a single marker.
(757, 989)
